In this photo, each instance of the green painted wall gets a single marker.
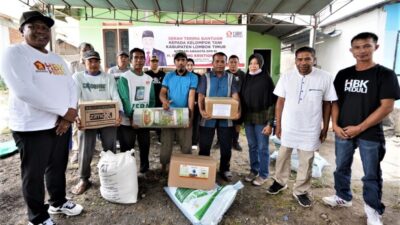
(258, 41)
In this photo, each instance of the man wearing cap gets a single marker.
(43, 99)
(149, 50)
(158, 76)
(79, 65)
(136, 91)
(93, 85)
(121, 67)
(217, 83)
(178, 91)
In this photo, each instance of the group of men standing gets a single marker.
(44, 98)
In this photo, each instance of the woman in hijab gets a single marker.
(258, 116)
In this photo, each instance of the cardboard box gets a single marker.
(192, 171)
(158, 117)
(221, 107)
(98, 114)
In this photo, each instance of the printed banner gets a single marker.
(199, 42)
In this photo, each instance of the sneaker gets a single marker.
(303, 200)
(227, 176)
(373, 217)
(236, 146)
(250, 177)
(335, 200)
(194, 147)
(68, 208)
(259, 181)
(49, 221)
(275, 188)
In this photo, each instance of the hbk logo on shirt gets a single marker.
(356, 86)
(55, 69)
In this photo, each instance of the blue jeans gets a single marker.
(372, 154)
(258, 149)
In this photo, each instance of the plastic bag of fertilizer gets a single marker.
(318, 164)
(204, 207)
(118, 177)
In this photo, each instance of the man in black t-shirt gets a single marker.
(196, 114)
(158, 76)
(366, 94)
(233, 64)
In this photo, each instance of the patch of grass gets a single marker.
(319, 183)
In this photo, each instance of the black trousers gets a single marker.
(44, 155)
(225, 142)
(235, 136)
(195, 126)
(127, 139)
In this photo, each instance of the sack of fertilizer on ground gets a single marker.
(118, 177)
(319, 163)
(204, 207)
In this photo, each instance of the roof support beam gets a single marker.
(303, 6)
(254, 6)
(67, 4)
(130, 2)
(204, 5)
(278, 6)
(108, 2)
(87, 3)
(291, 32)
(181, 5)
(228, 6)
(157, 5)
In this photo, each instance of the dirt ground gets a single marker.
(251, 206)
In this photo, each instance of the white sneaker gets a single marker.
(373, 217)
(68, 208)
(194, 147)
(49, 221)
(335, 200)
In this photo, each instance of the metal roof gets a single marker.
(303, 7)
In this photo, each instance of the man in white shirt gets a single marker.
(43, 106)
(304, 101)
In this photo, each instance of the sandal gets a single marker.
(81, 187)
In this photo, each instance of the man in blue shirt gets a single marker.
(178, 91)
(217, 83)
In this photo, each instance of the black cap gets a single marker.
(154, 58)
(35, 15)
(180, 55)
(147, 33)
(123, 53)
(91, 55)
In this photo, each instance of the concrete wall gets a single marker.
(257, 41)
(333, 54)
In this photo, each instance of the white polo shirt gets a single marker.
(302, 111)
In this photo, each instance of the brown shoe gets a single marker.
(81, 187)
